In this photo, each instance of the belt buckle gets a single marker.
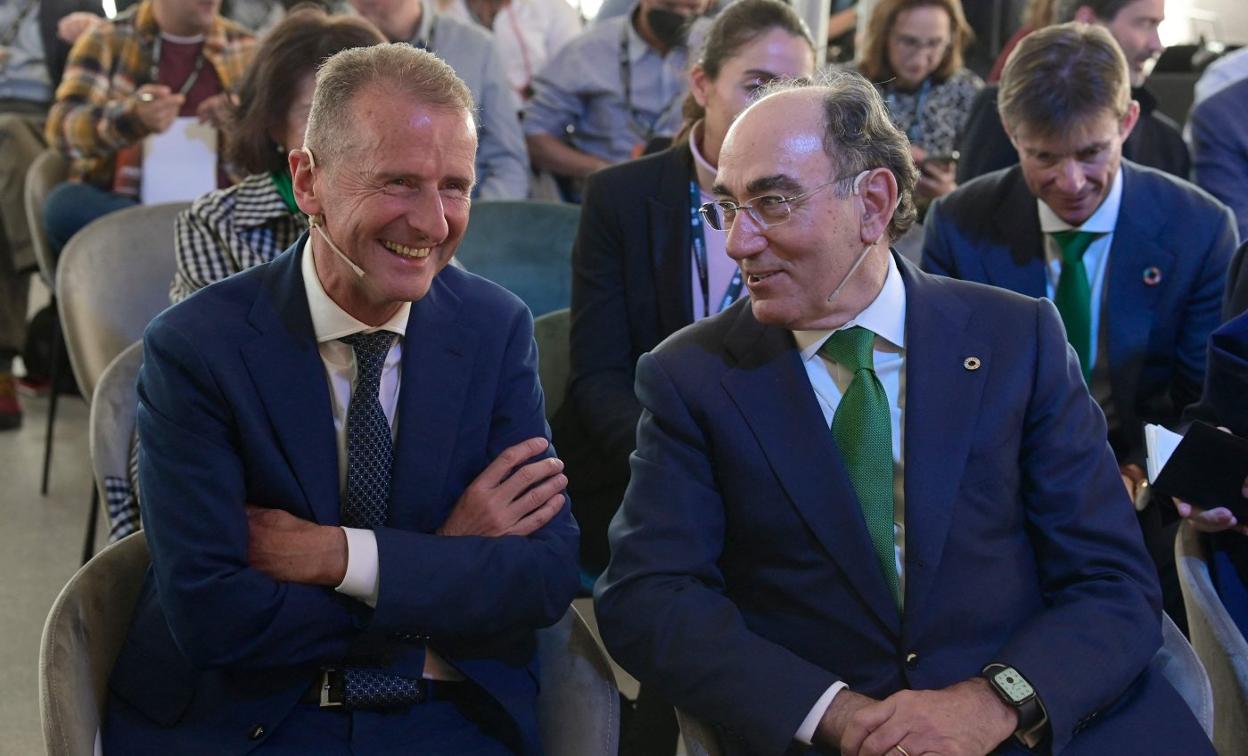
(326, 685)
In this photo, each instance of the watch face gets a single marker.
(1012, 684)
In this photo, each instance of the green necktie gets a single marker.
(862, 428)
(1074, 294)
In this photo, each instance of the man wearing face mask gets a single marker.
(1134, 258)
(611, 91)
(872, 510)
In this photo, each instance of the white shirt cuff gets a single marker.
(806, 733)
(363, 571)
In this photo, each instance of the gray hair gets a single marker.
(407, 71)
(1060, 76)
(859, 135)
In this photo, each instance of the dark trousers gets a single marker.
(72, 205)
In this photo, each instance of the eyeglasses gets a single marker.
(913, 45)
(768, 210)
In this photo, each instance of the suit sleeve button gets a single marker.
(257, 732)
(912, 660)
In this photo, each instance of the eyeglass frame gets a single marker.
(704, 209)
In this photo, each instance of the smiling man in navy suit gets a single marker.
(873, 510)
(1135, 259)
(354, 515)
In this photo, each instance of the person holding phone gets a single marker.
(913, 54)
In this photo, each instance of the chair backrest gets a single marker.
(578, 710)
(111, 436)
(554, 361)
(81, 639)
(112, 279)
(49, 169)
(526, 247)
(1217, 640)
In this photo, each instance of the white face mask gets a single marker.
(315, 222)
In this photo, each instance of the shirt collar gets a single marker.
(1102, 221)
(331, 322)
(885, 317)
(257, 202)
(706, 172)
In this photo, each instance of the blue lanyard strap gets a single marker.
(697, 236)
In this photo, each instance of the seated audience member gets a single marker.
(252, 222)
(789, 568)
(31, 59)
(1037, 15)
(502, 161)
(1226, 385)
(1135, 259)
(842, 29)
(1220, 148)
(1221, 73)
(610, 91)
(1155, 142)
(130, 79)
(644, 266)
(527, 33)
(355, 381)
(913, 54)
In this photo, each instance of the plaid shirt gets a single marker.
(230, 230)
(93, 115)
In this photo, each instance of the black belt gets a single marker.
(328, 689)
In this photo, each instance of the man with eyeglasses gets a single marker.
(1155, 141)
(1135, 259)
(871, 509)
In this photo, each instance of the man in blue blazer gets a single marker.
(354, 516)
(1141, 285)
(871, 509)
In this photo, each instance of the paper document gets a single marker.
(180, 164)
(1161, 443)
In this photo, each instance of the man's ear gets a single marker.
(878, 190)
(301, 163)
(1129, 120)
(699, 83)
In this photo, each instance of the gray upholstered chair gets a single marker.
(1217, 640)
(554, 366)
(81, 639)
(526, 247)
(1175, 660)
(112, 279)
(112, 438)
(578, 709)
(48, 170)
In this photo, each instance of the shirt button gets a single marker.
(912, 660)
(257, 732)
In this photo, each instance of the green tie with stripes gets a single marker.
(862, 428)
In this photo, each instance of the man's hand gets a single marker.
(156, 106)
(936, 178)
(1212, 520)
(292, 550)
(966, 718)
(509, 497)
(1136, 481)
(836, 719)
(74, 25)
(216, 110)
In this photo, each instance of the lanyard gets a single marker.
(636, 122)
(697, 235)
(510, 10)
(153, 72)
(920, 100)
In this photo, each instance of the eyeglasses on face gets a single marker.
(768, 210)
(913, 45)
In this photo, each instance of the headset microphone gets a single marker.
(852, 269)
(315, 222)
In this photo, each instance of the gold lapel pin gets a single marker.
(971, 363)
(1152, 275)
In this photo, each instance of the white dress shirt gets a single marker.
(1095, 259)
(886, 318)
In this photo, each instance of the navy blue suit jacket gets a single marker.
(988, 231)
(743, 582)
(234, 408)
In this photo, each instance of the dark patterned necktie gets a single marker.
(369, 451)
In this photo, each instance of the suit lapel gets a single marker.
(1019, 266)
(437, 364)
(668, 224)
(938, 431)
(286, 368)
(1130, 304)
(770, 388)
